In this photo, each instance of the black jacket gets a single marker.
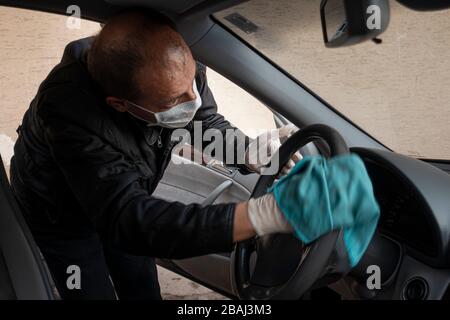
(80, 167)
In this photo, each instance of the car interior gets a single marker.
(411, 246)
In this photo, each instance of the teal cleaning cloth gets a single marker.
(320, 195)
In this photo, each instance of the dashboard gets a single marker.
(412, 242)
(404, 215)
(414, 202)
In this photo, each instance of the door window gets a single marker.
(32, 44)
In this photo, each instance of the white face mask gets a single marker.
(176, 117)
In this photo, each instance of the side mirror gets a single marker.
(347, 22)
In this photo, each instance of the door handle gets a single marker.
(221, 188)
(219, 166)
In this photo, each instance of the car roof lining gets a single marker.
(173, 6)
(191, 16)
(99, 10)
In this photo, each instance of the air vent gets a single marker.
(415, 289)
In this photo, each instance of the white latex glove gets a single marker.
(266, 217)
(267, 144)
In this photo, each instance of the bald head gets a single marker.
(139, 56)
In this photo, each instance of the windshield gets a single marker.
(397, 90)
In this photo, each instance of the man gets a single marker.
(93, 146)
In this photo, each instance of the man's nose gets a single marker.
(191, 94)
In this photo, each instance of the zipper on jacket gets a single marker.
(159, 139)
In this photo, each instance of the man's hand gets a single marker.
(266, 217)
(259, 216)
(267, 144)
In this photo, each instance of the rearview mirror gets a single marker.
(347, 22)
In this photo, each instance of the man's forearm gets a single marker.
(242, 227)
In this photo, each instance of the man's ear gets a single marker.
(118, 104)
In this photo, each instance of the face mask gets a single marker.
(176, 117)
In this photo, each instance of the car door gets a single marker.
(191, 182)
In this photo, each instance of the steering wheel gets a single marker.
(280, 266)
